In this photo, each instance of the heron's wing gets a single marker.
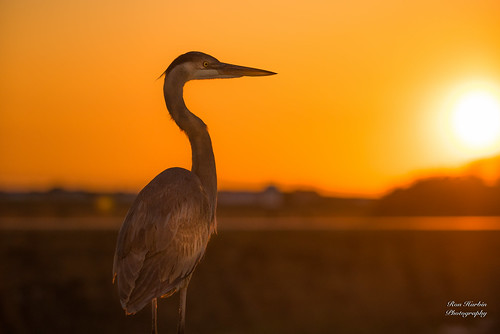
(162, 238)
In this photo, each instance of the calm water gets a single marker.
(275, 223)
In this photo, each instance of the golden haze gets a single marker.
(355, 109)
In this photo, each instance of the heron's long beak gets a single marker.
(235, 71)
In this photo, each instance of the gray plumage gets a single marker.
(166, 231)
(162, 238)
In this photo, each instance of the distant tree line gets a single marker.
(442, 196)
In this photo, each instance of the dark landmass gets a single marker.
(442, 196)
(313, 282)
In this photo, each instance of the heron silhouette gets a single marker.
(167, 228)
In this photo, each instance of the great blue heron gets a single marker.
(166, 231)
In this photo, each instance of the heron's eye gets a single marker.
(205, 64)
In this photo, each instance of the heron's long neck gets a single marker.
(201, 144)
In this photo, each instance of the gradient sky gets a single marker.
(358, 107)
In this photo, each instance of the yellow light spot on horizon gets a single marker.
(105, 204)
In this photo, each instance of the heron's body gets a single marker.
(166, 231)
(164, 236)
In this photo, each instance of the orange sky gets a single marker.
(357, 106)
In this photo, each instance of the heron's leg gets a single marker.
(182, 310)
(154, 310)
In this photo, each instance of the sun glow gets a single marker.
(469, 126)
(476, 119)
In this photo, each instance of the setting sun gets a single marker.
(476, 119)
(468, 126)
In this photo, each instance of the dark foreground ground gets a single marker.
(262, 282)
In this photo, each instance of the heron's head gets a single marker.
(197, 65)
